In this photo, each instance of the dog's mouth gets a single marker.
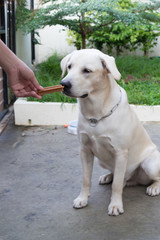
(84, 95)
(69, 94)
(66, 92)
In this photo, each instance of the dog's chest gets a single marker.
(100, 145)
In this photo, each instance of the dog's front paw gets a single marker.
(80, 202)
(115, 209)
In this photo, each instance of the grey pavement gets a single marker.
(40, 175)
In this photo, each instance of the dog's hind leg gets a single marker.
(154, 189)
(106, 179)
(151, 166)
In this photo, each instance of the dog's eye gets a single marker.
(69, 66)
(86, 70)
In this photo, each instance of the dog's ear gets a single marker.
(64, 62)
(109, 63)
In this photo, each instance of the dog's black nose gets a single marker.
(66, 84)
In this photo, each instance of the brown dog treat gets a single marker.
(53, 89)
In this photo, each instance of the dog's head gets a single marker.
(87, 70)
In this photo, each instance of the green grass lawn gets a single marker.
(140, 79)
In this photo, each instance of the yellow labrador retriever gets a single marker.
(108, 128)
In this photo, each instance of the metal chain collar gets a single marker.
(93, 121)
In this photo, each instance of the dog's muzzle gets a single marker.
(67, 89)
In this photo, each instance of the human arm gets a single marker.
(20, 77)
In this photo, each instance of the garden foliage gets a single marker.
(140, 78)
(119, 23)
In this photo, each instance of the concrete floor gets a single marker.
(40, 175)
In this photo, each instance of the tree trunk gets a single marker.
(118, 50)
(83, 31)
(83, 41)
(145, 52)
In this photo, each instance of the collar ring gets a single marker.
(93, 122)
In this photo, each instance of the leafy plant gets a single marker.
(85, 17)
(121, 35)
(74, 39)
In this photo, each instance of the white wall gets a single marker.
(156, 50)
(23, 47)
(52, 39)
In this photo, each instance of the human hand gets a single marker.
(23, 81)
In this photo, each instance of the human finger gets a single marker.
(32, 86)
(34, 83)
(24, 93)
